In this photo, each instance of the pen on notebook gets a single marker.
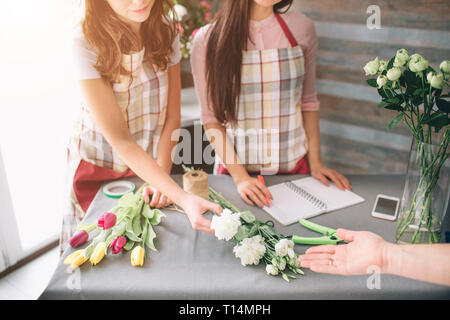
(261, 179)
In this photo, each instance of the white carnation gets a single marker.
(226, 225)
(250, 250)
(282, 247)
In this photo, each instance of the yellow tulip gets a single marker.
(137, 257)
(76, 259)
(98, 254)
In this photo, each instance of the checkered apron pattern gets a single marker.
(268, 135)
(142, 98)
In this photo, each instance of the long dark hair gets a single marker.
(228, 38)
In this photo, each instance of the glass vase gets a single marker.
(426, 193)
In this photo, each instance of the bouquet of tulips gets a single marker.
(129, 224)
(256, 240)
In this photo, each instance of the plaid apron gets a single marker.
(268, 135)
(142, 98)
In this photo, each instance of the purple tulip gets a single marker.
(117, 244)
(107, 220)
(79, 238)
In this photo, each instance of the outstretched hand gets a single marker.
(363, 250)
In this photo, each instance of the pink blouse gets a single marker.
(264, 34)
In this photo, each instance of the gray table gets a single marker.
(194, 265)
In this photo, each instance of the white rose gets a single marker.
(445, 66)
(394, 74)
(371, 68)
(417, 63)
(226, 225)
(401, 58)
(381, 81)
(272, 270)
(436, 80)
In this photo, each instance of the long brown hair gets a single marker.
(228, 38)
(112, 37)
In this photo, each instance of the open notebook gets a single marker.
(305, 198)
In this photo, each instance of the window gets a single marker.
(39, 101)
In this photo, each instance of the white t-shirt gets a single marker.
(85, 56)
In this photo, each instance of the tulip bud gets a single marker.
(401, 58)
(417, 63)
(435, 80)
(117, 244)
(76, 259)
(371, 68)
(137, 257)
(445, 66)
(107, 220)
(394, 74)
(79, 238)
(381, 81)
(98, 254)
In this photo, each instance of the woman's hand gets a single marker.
(158, 199)
(195, 207)
(253, 191)
(364, 249)
(323, 173)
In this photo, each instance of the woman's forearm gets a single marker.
(312, 131)
(167, 142)
(425, 262)
(148, 169)
(221, 144)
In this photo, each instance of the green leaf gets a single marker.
(254, 230)
(127, 200)
(157, 215)
(242, 233)
(372, 82)
(151, 235)
(247, 216)
(382, 104)
(137, 224)
(285, 277)
(438, 120)
(129, 245)
(148, 212)
(132, 236)
(395, 121)
(390, 64)
(411, 79)
(443, 105)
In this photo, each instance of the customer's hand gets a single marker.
(195, 207)
(363, 250)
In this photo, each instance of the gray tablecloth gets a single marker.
(193, 265)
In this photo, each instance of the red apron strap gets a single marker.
(302, 167)
(286, 30)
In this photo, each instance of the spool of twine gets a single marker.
(196, 182)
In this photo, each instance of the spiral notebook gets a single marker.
(305, 198)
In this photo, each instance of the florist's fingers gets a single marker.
(345, 181)
(324, 267)
(214, 207)
(333, 176)
(202, 224)
(329, 248)
(155, 199)
(346, 235)
(322, 178)
(246, 199)
(146, 194)
(316, 257)
(260, 194)
(255, 198)
(162, 202)
(264, 189)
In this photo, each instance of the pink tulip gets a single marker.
(79, 238)
(107, 220)
(117, 244)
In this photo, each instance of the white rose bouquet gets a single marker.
(410, 86)
(256, 240)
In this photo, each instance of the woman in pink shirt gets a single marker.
(254, 74)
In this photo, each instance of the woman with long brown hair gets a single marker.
(127, 64)
(254, 73)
